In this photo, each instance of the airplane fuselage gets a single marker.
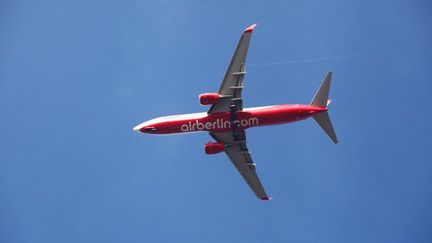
(226, 121)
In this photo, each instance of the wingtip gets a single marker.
(250, 28)
(266, 198)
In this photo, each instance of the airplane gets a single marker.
(226, 121)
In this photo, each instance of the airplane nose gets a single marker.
(137, 128)
(144, 129)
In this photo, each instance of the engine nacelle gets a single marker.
(214, 148)
(209, 98)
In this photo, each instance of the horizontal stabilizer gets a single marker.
(324, 122)
(321, 97)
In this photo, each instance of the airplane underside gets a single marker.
(226, 120)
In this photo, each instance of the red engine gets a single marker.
(208, 98)
(214, 148)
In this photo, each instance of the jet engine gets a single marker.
(214, 148)
(208, 98)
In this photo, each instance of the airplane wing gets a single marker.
(232, 83)
(235, 148)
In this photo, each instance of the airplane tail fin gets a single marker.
(321, 100)
(321, 97)
(324, 122)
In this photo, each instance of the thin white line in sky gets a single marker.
(324, 58)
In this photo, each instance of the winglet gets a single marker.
(266, 198)
(250, 28)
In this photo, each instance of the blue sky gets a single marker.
(77, 76)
